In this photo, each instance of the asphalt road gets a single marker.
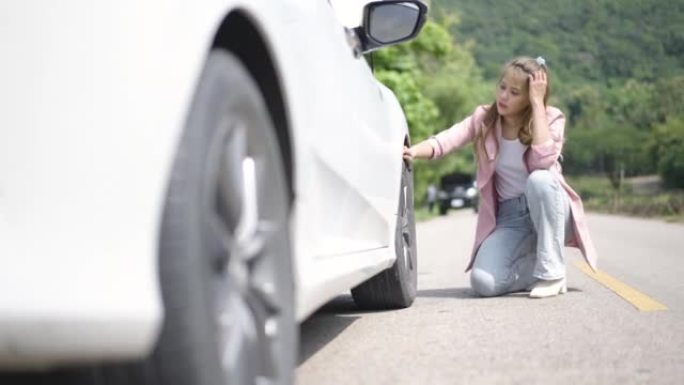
(591, 335)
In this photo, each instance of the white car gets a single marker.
(182, 182)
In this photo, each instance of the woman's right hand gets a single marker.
(409, 153)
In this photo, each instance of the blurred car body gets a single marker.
(176, 184)
(457, 190)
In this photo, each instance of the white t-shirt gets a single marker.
(511, 171)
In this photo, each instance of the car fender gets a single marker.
(95, 97)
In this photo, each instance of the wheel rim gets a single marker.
(244, 234)
(406, 237)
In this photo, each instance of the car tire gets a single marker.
(226, 267)
(395, 287)
(224, 255)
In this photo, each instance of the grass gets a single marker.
(598, 195)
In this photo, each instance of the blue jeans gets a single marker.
(528, 242)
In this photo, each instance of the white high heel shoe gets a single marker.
(543, 289)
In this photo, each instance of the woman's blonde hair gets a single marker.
(523, 66)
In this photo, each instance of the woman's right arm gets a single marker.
(422, 150)
(447, 140)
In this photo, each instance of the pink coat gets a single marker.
(538, 156)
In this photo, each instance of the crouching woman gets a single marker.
(528, 213)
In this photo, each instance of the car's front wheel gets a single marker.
(225, 261)
(443, 209)
(224, 256)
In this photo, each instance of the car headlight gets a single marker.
(471, 192)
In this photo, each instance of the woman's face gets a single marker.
(512, 95)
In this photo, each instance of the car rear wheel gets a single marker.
(396, 286)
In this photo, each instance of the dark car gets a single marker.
(457, 190)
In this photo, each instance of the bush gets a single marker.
(667, 147)
(598, 195)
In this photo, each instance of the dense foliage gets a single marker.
(437, 83)
(617, 72)
(618, 68)
(584, 40)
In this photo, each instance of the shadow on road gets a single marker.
(453, 292)
(326, 324)
(467, 293)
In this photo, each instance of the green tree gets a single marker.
(438, 84)
(667, 147)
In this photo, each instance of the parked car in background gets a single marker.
(457, 190)
(182, 182)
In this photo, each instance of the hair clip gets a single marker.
(540, 60)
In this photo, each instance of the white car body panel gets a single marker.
(95, 97)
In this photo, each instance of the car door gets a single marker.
(351, 142)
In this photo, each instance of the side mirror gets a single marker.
(390, 22)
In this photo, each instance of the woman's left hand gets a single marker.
(537, 87)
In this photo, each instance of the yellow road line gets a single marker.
(640, 300)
